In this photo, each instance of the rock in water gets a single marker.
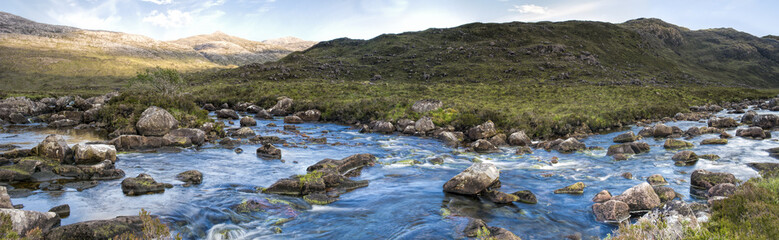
(483, 146)
(499, 197)
(703, 179)
(191, 177)
(641, 197)
(611, 211)
(293, 120)
(54, 147)
(473, 180)
(269, 151)
(282, 107)
(626, 137)
(676, 144)
(656, 180)
(519, 139)
(685, 158)
(99, 229)
(576, 188)
(525, 196)
(156, 121)
(23, 221)
(723, 122)
(485, 130)
(142, 184)
(312, 115)
(628, 148)
(62, 211)
(714, 141)
(602, 196)
(195, 136)
(93, 153)
(248, 122)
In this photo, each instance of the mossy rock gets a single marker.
(319, 199)
(656, 180)
(714, 141)
(712, 157)
(677, 144)
(576, 188)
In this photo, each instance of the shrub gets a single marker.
(165, 81)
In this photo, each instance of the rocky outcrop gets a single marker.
(473, 180)
(156, 121)
(99, 229)
(23, 221)
(93, 153)
(611, 211)
(485, 130)
(641, 197)
(143, 184)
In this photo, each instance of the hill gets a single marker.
(36, 56)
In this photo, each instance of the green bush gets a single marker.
(164, 81)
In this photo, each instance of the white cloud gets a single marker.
(173, 18)
(101, 17)
(528, 8)
(159, 2)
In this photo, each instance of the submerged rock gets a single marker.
(576, 188)
(499, 197)
(473, 180)
(714, 141)
(155, 121)
(526, 196)
(611, 211)
(143, 184)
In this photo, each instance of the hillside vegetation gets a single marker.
(548, 78)
(38, 57)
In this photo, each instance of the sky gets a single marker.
(320, 20)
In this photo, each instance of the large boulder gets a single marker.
(227, 113)
(722, 122)
(93, 153)
(143, 184)
(424, 125)
(519, 139)
(703, 179)
(99, 229)
(195, 136)
(483, 146)
(54, 147)
(156, 121)
(427, 105)
(311, 115)
(485, 130)
(641, 197)
(753, 132)
(269, 151)
(611, 211)
(282, 107)
(766, 121)
(626, 137)
(748, 117)
(137, 142)
(473, 180)
(628, 148)
(23, 221)
(451, 138)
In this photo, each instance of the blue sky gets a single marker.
(363, 19)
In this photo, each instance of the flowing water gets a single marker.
(403, 200)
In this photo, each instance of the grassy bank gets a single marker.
(541, 110)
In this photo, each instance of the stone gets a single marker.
(450, 138)
(626, 137)
(641, 197)
(190, 177)
(381, 127)
(483, 146)
(628, 148)
(23, 221)
(658, 131)
(194, 135)
(54, 147)
(311, 115)
(262, 114)
(142, 184)
(293, 120)
(485, 130)
(155, 121)
(473, 180)
(722, 122)
(766, 169)
(627, 175)
(685, 158)
(243, 132)
(602, 196)
(753, 132)
(703, 179)
(227, 114)
(766, 121)
(248, 122)
(519, 139)
(93, 153)
(714, 141)
(253, 109)
(282, 107)
(62, 211)
(424, 125)
(269, 151)
(99, 229)
(676, 144)
(524, 150)
(576, 188)
(656, 180)
(209, 107)
(611, 211)
(5, 199)
(498, 140)
(619, 157)
(137, 142)
(569, 145)
(499, 197)
(526, 196)
(426, 105)
(712, 157)
(664, 193)
(722, 190)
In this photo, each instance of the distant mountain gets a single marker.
(224, 49)
(637, 52)
(35, 55)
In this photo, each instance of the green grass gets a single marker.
(124, 110)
